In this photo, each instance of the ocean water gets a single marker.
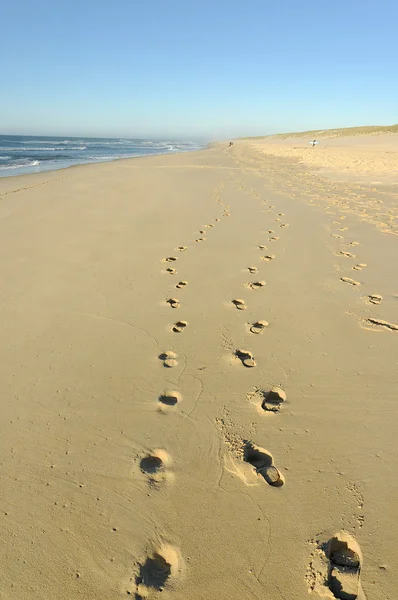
(26, 154)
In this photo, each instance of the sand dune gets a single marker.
(358, 154)
(198, 398)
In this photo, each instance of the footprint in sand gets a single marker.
(256, 285)
(346, 254)
(155, 465)
(263, 463)
(268, 257)
(273, 399)
(375, 298)
(345, 562)
(169, 259)
(171, 271)
(382, 323)
(170, 398)
(359, 266)
(258, 326)
(281, 214)
(353, 244)
(169, 359)
(240, 304)
(209, 226)
(160, 570)
(173, 302)
(349, 281)
(343, 229)
(217, 220)
(181, 284)
(273, 239)
(246, 358)
(271, 231)
(262, 247)
(252, 269)
(284, 225)
(200, 240)
(278, 220)
(182, 248)
(339, 237)
(202, 232)
(179, 326)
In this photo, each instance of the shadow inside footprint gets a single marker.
(151, 464)
(256, 285)
(154, 573)
(273, 399)
(246, 357)
(169, 359)
(258, 326)
(262, 461)
(240, 304)
(179, 326)
(170, 398)
(157, 571)
(173, 302)
(345, 560)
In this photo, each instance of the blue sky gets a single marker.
(214, 69)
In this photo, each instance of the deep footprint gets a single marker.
(240, 304)
(246, 357)
(157, 571)
(181, 284)
(179, 326)
(256, 285)
(173, 302)
(170, 398)
(375, 298)
(169, 359)
(268, 258)
(169, 259)
(273, 399)
(263, 463)
(345, 561)
(155, 465)
(258, 326)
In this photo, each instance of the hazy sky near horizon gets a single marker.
(209, 68)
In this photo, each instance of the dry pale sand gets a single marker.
(340, 154)
(148, 308)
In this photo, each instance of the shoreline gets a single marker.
(100, 164)
(191, 341)
(79, 151)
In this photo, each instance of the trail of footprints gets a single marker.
(163, 564)
(374, 299)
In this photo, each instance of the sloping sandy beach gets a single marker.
(148, 307)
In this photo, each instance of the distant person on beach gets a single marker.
(313, 143)
(230, 144)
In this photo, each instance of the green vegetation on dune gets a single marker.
(329, 133)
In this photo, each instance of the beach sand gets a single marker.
(148, 308)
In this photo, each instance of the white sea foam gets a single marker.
(32, 163)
